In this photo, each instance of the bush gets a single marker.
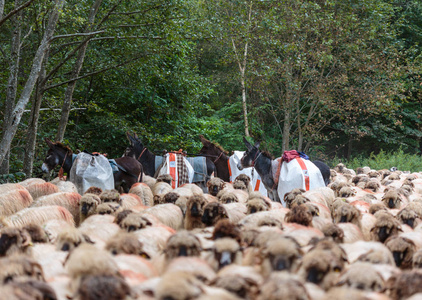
(385, 160)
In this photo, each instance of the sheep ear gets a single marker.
(49, 143)
(247, 144)
(88, 239)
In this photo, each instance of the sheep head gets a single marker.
(280, 254)
(183, 243)
(14, 240)
(215, 185)
(403, 250)
(256, 205)
(213, 212)
(385, 226)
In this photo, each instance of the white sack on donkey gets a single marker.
(234, 160)
(178, 167)
(298, 173)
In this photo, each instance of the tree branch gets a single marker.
(75, 34)
(16, 10)
(139, 11)
(92, 73)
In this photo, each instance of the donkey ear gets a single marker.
(132, 139)
(49, 143)
(247, 144)
(257, 145)
(204, 141)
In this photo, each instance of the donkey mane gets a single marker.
(60, 145)
(267, 154)
(215, 144)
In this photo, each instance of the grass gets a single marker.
(385, 160)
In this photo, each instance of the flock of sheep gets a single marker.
(358, 238)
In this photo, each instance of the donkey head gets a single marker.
(56, 153)
(135, 148)
(250, 155)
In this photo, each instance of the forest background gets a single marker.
(340, 80)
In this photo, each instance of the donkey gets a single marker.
(263, 163)
(148, 159)
(129, 169)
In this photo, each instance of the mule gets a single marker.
(263, 163)
(148, 159)
(219, 157)
(129, 169)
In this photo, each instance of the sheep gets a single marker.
(256, 205)
(130, 200)
(108, 208)
(321, 267)
(29, 289)
(159, 190)
(215, 185)
(148, 180)
(280, 254)
(99, 228)
(362, 276)
(178, 286)
(169, 214)
(299, 214)
(70, 201)
(333, 231)
(88, 260)
(71, 238)
(195, 189)
(14, 240)
(403, 250)
(38, 215)
(37, 233)
(385, 226)
(290, 196)
(225, 228)
(275, 215)
(125, 243)
(144, 192)
(135, 268)
(14, 200)
(368, 251)
(121, 215)
(154, 239)
(39, 188)
(20, 267)
(392, 199)
(240, 185)
(373, 208)
(196, 266)
(136, 221)
(232, 195)
(94, 190)
(194, 211)
(183, 243)
(344, 293)
(408, 216)
(226, 251)
(213, 212)
(110, 196)
(283, 286)
(103, 287)
(405, 284)
(347, 213)
(64, 186)
(88, 205)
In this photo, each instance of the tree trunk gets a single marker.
(31, 135)
(349, 148)
(286, 131)
(75, 73)
(11, 128)
(1, 8)
(245, 108)
(13, 78)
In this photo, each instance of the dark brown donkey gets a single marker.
(129, 169)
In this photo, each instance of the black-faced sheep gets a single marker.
(299, 214)
(103, 287)
(108, 208)
(14, 240)
(392, 199)
(363, 276)
(225, 228)
(94, 190)
(385, 226)
(88, 205)
(194, 212)
(215, 185)
(226, 251)
(405, 284)
(214, 212)
(37, 233)
(183, 243)
(256, 205)
(408, 216)
(347, 213)
(333, 231)
(280, 254)
(110, 196)
(135, 221)
(373, 208)
(125, 243)
(283, 286)
(71, 238)
(403, 250)
(245, 179)
(321, 267)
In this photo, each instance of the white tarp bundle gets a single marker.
(91, 170)
(256, 182)
(298, 173)
(172, 165)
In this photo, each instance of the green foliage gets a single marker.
(384, 160)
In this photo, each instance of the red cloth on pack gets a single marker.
(290, 155)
